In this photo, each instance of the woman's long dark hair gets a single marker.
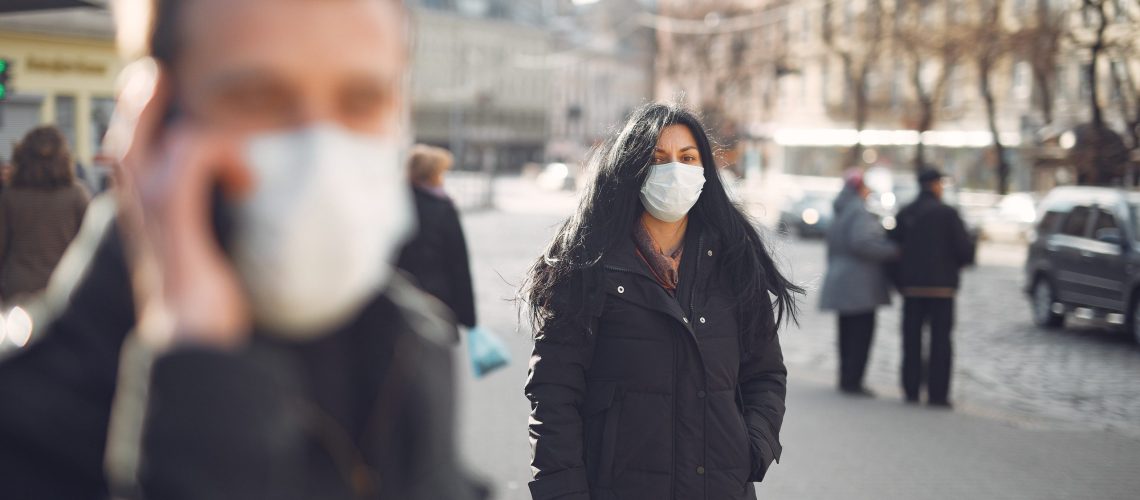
(560, 289)
(42, 160)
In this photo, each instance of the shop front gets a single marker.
(68, 82)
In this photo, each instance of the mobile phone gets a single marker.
(221, 214)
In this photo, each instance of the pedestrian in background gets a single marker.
(241, 307)
(855, 284)
(437, 256)
(935, 247)
(40, 213)
(5, 174)
(656, 371)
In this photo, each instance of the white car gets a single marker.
(1012, 219)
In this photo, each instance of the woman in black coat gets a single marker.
(437, 256)
(657, 371)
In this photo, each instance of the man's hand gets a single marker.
(186, 290)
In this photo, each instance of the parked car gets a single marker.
(1084, 258)
(809, 215)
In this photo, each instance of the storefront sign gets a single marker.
(66, 66)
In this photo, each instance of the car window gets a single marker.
(1104, 220)
(1077, 222)
(1135, 213)
(1049, 223)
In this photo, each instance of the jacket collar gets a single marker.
(623, 255)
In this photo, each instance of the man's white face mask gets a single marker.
(318, 238)
(671, 190)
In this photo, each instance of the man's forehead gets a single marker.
(305, 26)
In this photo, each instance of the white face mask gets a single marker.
(317, 239)
(671, 190)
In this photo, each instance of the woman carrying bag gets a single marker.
(657, 371)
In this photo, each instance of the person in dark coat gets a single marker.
(216, 334)
(656, 371)
(39, 215)
(935, 247)
(437, 255)
(855, 284)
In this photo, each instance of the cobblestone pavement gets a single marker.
(1086, 376)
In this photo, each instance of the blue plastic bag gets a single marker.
(486, 350)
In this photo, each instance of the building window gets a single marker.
(65, 118)
(101, 109)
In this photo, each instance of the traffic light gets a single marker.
(5, 87)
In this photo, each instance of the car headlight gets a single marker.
(810, 216)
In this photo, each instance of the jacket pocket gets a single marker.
(600, 413)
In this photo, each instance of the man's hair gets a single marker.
(150, 28)
(426, 163)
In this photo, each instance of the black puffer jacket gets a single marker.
(658, 402)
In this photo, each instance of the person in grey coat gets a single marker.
(855, 284)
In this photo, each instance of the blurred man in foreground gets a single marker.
(935, 247)
(239, 305)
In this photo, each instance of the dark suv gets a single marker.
(1085, 257)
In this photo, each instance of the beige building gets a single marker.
(64, 66)
(481, 87)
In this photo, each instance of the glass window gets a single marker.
(65, 118)
(1104, 220)
(1077, 222)
(1134, 211)
(101, 110)
(1049, 223)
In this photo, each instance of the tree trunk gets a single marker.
(925, 122)
(1045, 94)
(984, 70)
(1100, 170)
(926, 109)
(1044, 70)
(859, 89)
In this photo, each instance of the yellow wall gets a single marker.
(48, 66)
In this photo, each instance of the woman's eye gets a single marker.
(689, 159)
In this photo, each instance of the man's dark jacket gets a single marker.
(437, 256)
(365, 412)
(659, 400)
(934, 243)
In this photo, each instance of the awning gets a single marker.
(10, 6)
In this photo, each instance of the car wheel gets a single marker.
(1043, 301)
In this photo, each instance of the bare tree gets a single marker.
(859, 47)
(991, 45)
(1100, 152)
(1040, 42)
(931, 35)
(1125, 74)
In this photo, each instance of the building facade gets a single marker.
(780, 78)
(63, 70)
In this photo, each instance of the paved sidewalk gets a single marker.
(842, 447)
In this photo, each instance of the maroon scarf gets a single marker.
(664, 267)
